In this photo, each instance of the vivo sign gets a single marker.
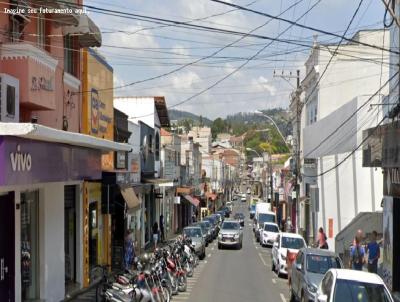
(20, 161)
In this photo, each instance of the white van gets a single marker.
(263, 214)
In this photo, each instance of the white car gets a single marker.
(269, 233)
(340, 285)
(283, 243)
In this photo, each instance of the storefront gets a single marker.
(41, 180)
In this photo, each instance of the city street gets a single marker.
(237, 275)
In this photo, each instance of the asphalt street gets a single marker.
(238, 275)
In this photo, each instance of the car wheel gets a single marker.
(303, 298)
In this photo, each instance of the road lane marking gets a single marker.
(283, 297)
(273, 281)
(262, 259)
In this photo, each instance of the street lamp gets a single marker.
(252, 150)
(273, 122)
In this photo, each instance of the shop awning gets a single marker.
(194, 201)
(160, 182)
(211, 196)
(88, 33)
(47, 134)
(130, 197)
(183, 190)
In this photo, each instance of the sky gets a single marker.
(218, 85)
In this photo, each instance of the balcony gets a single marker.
(35, 69)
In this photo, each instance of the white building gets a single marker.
(202, 135)
(345, 189)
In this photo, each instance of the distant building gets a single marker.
(202, 135)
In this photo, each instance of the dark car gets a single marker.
(239, 217)
(308, 270)
(206, 229)
(214, 225)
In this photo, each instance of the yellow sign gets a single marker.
(98, 102)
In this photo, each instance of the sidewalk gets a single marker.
(90, 295)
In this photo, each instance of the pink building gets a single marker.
(44, 160)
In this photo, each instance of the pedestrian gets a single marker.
(288, 225)
(374, 253)
(129, 250)
(193, 218)
(162, 228)
(322, 243)
(155, 234)
(357, 255)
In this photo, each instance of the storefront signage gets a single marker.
(41, 83)
(24, 161)
(391, 182)
(20, 161)
(126, 178)
(159, 196)
(99, 119)
(121, 159)
(177, 200)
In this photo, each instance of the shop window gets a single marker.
(41, 31)
(30, 245)
(157, 143)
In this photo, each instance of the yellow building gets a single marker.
(98, 121)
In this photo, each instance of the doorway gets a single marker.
(7, 247)
(70, 228)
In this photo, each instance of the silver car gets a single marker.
(196, 234)
(308, 270)
(231, 234)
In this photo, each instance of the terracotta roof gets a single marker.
(165, 132)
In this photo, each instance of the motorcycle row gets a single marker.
(156, 277)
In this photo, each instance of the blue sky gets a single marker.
(150, 49)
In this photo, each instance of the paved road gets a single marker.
(238, 275)
(231, 275)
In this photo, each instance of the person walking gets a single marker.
(322, 243)
(155, 234)
(357, 255)
(162, 228)
(129, 250)
(374, 253)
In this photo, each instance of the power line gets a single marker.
(352, 115)
(305, 26)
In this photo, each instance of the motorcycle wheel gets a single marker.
(166, 293)
(182, 283)
(174, 285)
(189, 270)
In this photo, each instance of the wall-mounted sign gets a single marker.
(20, 161)
(41, 83)
(121, 159)
(177, 200)
(99, 119)
(159, 196)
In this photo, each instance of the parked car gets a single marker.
(350, 285)
(283, 243)
(205, 230)
(308, 270)
(214, 225)
(252, 211)
(262, 216)
(231, 234)
(239, 217)
(195, 233)
(243, 199)
(269, 233)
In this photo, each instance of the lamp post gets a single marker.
(273, 122)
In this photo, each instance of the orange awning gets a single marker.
(194, 201)
(211, 196)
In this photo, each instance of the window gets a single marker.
(69, 65)
(157, 146)
(349, 290)
(292, 243)
(326, 285)
(321, 264)
(10, 107)
(15, 30)
(41, 31)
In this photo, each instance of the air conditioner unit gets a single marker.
(9, 98)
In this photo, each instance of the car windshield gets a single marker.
(349, 290)
(263, 217)
(192, 232)
(321, 264)
(253, 207)
(239, 216)
(210, 219)
(292, 243)
(230, 226)
(271, 228)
